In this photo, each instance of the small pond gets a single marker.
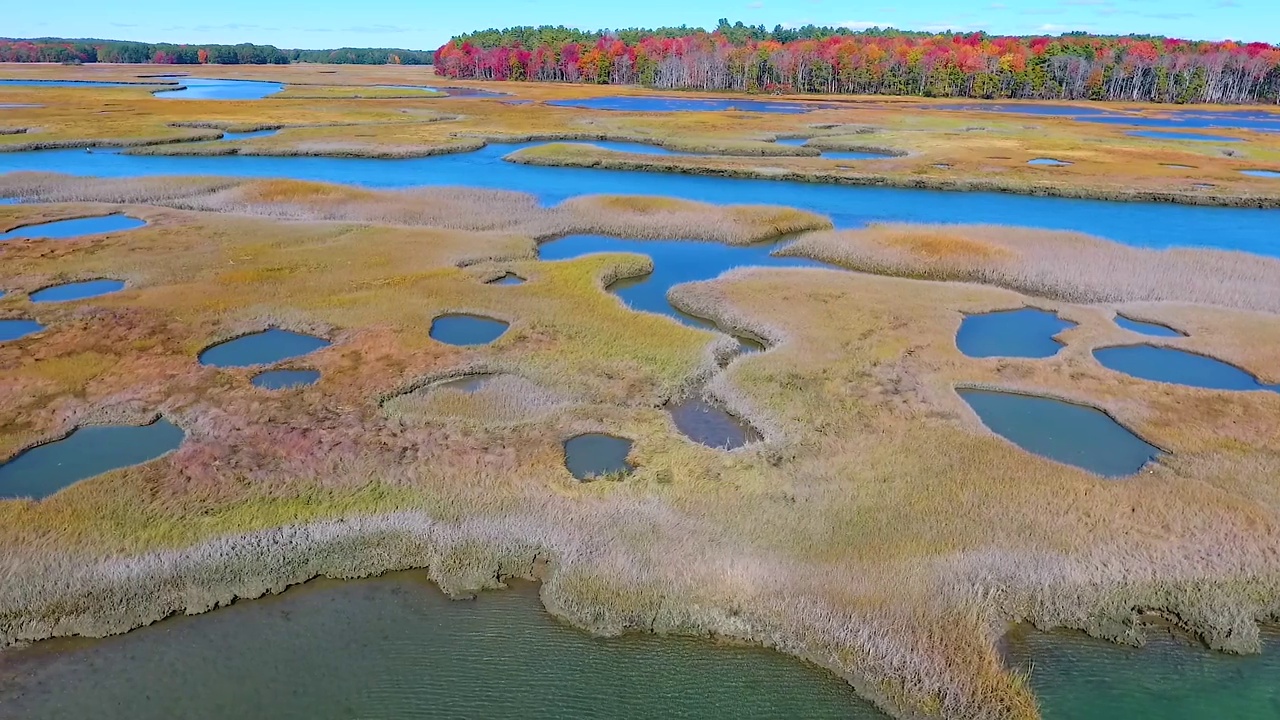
(261, 348)
(62, 229)
(709, 424)
(1076, 677)
(691, 104)
(214, 89)
(396, 647)
(507, 279)
(465, 384)
(86, 452)
(674, 262)
(596, 455)
(1178, 367)
(469, 93)
(1068, 433)
(1027, 333)
(836, 154)
(77, 291)
(285, 379)
(1148, 328)
(1262, 173)
(463, 329)
(1048, 162)
(1170, 135)
(19, 328)
(233, 136)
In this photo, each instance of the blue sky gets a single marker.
(425, 25)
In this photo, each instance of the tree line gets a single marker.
(59, 50)
(1073, 66)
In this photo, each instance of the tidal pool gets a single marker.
(1178, 367)
(233, 136)
(674, 262)
(1195, 137)
(836, 154)
(216, 89)
(1048, 162)
(261, 348)
(77, 291)
(709, 424)
(285, 379)
(465, 384)
(1262, 173)
(1027, 333)
(62, 229)
(1154, 225)
(1068, 433)
(1076, 677)
(672, 104)
(507, 279)
(1147, 328)
(19, 328)
(596, 455)
(463, 329)
(88, 451)
(396, 647)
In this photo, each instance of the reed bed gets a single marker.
(453, 208)
(1070, 267)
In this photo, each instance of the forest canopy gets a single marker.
(813, 59)
(61, 50)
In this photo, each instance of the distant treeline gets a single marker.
(59, 50)
(812, 59)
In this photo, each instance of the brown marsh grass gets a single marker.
(1066, 266)
(453, 208)
(835, 540)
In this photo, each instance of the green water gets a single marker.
(395, 647)
(1077, 677)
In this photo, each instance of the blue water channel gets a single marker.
(1156, 225)
(16, 329)
(216, 89)
(1171, 135)
(673, 104)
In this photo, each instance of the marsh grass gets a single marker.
(453, 208)
(1070, 267)
(839, 539)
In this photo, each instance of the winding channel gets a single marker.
(1153, 225)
